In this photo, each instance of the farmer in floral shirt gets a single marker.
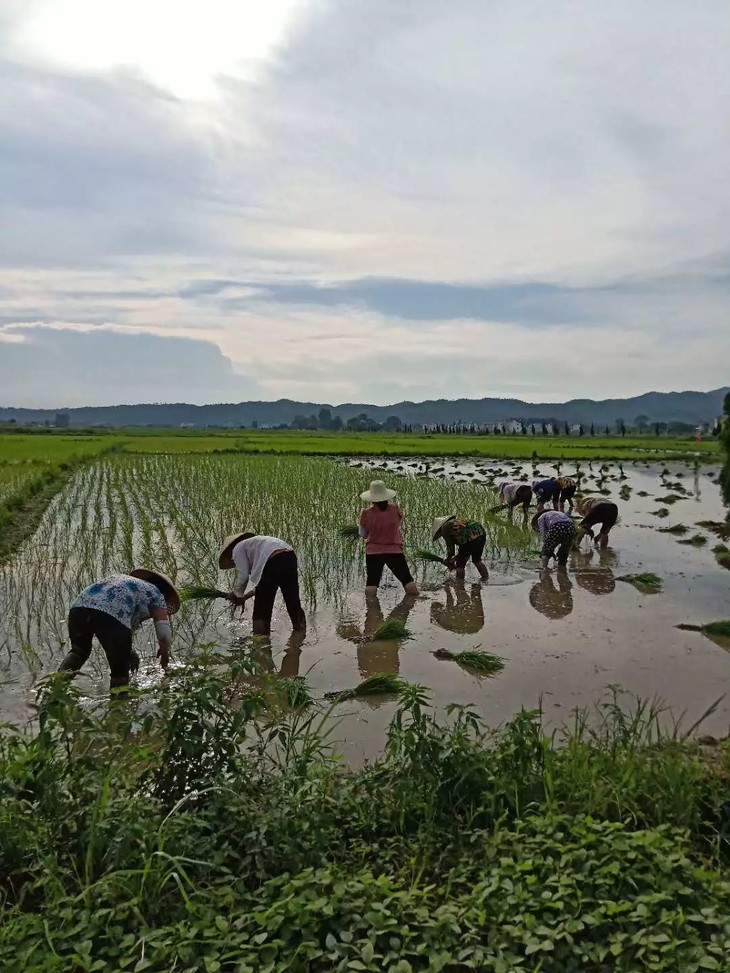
(468, 536)
(112, 610)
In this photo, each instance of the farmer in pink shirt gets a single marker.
(380, 527)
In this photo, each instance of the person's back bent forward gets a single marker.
(269, 564)
(469, 536)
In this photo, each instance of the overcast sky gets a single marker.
(362, 200)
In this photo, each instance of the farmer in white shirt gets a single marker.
(268, 564)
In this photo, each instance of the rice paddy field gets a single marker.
(560, 640)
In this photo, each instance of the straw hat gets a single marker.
(587, 504)
(438, 523)
(225, 561)
(161, 581)
(378, 492)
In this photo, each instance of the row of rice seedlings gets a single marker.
(173, 511)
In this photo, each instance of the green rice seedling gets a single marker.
(648, 583)
(297, 692)
(349, 532)
(477, 662)
(625, 492)
(195, 593)
(379, 684)
(678, 529)
(662, 512)
(697, 540)
(669, 499)
(642, 493)
(722, 555)
(722, 530)
(391, 628)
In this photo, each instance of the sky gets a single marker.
(347, 201)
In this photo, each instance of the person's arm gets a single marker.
(238, 594)
(586, 527)
(164, 634)
(450, 545)
(362, 528)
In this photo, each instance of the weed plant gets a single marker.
(198, 831)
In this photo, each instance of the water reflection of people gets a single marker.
(463, 611)
(289, 666)
(551, 601)
(381, 655)
(598, 580)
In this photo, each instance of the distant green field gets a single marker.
(402, 444)
(51, 449)
(55, 448)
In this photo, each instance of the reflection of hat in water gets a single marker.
(378, 492)
(596, 581)
(549, 601)
(161, 581)
(438, 523)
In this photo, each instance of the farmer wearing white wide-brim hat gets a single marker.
(270, 565)
(380, 528)
(469, 536)
(112, 610)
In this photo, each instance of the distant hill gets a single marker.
(689, 407)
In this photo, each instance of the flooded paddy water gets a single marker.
(563, 639)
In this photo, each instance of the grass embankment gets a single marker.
(152, 839)
(33, 469)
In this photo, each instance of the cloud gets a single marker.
(540, 190)
(74, 366)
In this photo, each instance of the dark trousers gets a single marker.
(114, 638)
(281, 572)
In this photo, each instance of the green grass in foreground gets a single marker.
(186, 833)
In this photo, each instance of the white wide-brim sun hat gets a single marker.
(225, 560)
(378, 492)
(438, 523)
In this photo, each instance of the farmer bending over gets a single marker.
(567, 486)
(380, 528)
(546, 491)
(468, 536)
(112, 610)
(602, 512)
(269, 564)
(513, 495)
(558, 533)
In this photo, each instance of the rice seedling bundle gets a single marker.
(379, 684)
(477, 662)
(350, 532)
(678, 529)
(195, 593)
(697, 540)
(648, 582)
(425, 555)
(721, 628)
(391, 628)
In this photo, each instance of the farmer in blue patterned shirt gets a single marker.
(112, 610)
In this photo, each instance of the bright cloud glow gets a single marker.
(180, 46)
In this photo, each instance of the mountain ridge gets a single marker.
(686, 406)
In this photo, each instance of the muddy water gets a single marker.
(563, 639)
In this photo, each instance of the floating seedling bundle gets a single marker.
(721, 628)
(648, 582)
(477, 662)
(379, 684)
(391, 628)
